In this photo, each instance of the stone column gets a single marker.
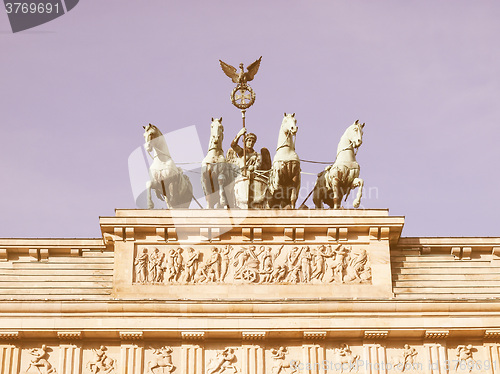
(10, 357)
(313, 357)
(375, 360)
(493, 350)
(132, 353)
(192, 357)
(252, 353)
(436, 358)
(70, 352)
(70, 358)
(252, 359)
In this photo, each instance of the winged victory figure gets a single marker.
(242, 77)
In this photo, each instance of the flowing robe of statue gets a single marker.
(251, 184)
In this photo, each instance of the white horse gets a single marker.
(168, 181)
(216, 173)
(284, 180)
(337, 180)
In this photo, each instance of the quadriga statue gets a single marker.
(338, 179)
(217, 176)
(168, 181)
(284, 179)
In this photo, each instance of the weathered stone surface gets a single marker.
(86, 305)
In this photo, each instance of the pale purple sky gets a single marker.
(423, 75)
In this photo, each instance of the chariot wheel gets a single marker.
(249, 275)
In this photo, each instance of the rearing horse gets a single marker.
(166, 178)
(339, 179)
(284, 180)
(216, 173)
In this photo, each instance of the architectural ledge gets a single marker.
(9, 335)
(69, 335)
(376, 334)
(314, 335)
(193, 335)
(253, 335)
(436, 334)
(492, 334)
(131, 335)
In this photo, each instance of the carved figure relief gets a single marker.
(213, 266)
(406, 362)
(173, 265)
(141, 266)
(348, 360)
(464, 357)
(357, 268)
(282, 365)
(162, 362)
(246, 264)
(154, 266)
(39, 363)
(318, 264)
(223, 361)
(225, 262)
(193, 257)
(101, 363)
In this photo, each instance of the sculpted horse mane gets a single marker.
(217, 174)
(338, 179)
(284, 179)
(168, 181)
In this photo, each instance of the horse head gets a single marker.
(355, 133)
(151, 132)
(288, 130)
(289, 124)
(216, 134)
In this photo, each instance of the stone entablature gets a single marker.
(230, 254)
(247, 226)
(251, 357)
(72, 306)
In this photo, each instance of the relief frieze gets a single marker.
(275, 264)
(161, 362)
(224, 361)
(39, 362)
(101, 363)
(215, 357)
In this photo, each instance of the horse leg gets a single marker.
(149, 185)
(152, 365)
(293, 197)
(210, 197)
(204, 184)
(221, 180)
(165, 193)
(337, 197)
(317, 200)
(294, 170)
(358, 182)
